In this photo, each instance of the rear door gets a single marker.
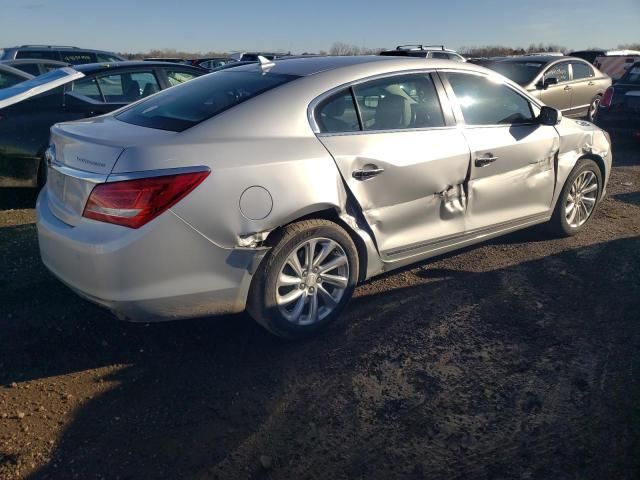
(512, 175)
(559, 95)
(584, 88)
(401, 156)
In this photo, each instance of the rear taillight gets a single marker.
(132, 203)
(607, 98)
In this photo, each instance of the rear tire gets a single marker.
(593, 109)
(306, 280)
(578, 199)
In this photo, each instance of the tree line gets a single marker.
(342, 48)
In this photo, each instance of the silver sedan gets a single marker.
(276, 187)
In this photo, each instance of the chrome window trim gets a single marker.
(393, 130)
(121, 177)
(316, 101)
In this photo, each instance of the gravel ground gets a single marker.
(515, 359)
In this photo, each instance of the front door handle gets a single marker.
(484, 161)
(591, 84)
(567, 88)
(365, 174)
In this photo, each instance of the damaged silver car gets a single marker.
(276, 187)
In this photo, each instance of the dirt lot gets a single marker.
(516, 359)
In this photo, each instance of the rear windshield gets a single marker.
(632, 76)
(188, 104)
(520, 72)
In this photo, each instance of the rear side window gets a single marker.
(87, 87)
(581, 70)
(48, 54)
(399, 102)
(338, 113)
(77, 57)
(188, 104)
(484, 102)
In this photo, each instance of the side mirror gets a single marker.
(548, 82)
(549, 116)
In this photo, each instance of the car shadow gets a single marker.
(18, 198)
(439, 375)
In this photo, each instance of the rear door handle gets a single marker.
(484, 161)
(365, 174)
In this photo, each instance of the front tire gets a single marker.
(306, 280)
(578, 199)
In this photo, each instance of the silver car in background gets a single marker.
(276, 187)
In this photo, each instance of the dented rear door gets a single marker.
(406, 165)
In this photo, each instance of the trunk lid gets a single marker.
(83, 154)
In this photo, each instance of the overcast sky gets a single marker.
(203, 25)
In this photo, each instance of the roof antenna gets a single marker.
(265, 64)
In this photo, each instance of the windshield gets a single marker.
(186, 105)
(632, 76)
(520, 72)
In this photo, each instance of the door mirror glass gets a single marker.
(549, 116)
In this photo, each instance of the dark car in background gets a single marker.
(570, 84)
(29, 109)
(210, 62)
(35, 66)
(424, 51)
(72, 55)
(10, 76)
(619, 110)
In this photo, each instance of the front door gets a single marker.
(558, 95)
(403, 163)
(512, 169)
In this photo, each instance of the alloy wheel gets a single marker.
(312, 281)
(581, 199)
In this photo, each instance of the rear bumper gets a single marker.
(165, 270)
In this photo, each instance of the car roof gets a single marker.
(538, 59)
(88, 68)
(21, 61)
(303, 67)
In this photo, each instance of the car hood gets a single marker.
(37, 85)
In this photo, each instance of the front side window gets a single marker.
(399, 102)
(188, 104)
(559, 71)
(176, 77)
(87, 87)
(338, 114)
(485, 102)
(581, 70)
(127, 87)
